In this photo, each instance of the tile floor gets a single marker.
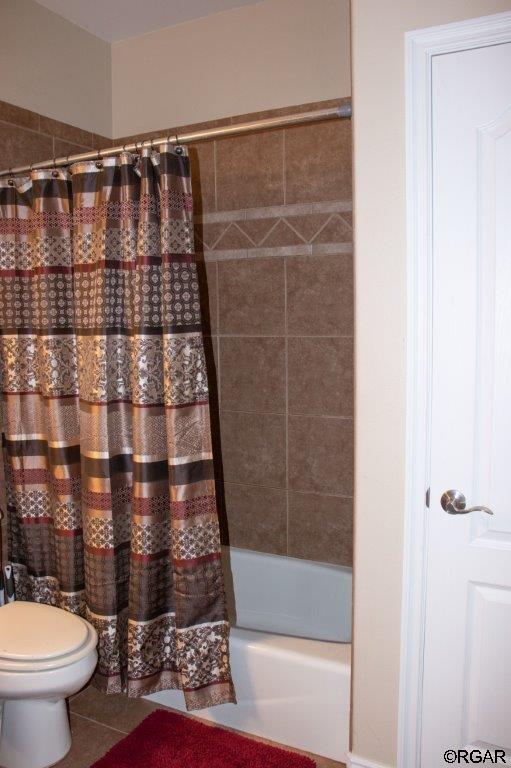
(99, 721)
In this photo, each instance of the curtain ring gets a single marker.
(10, 180)
(152, 143)
(98, 163)
(177, 147)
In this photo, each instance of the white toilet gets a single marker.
(46, 654)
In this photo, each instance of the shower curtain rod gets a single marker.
(209, 133)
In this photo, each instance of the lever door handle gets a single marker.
(455, 503)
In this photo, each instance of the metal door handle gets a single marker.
(455, 503)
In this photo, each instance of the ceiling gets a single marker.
(114, 20)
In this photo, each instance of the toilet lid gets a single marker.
(36, 631)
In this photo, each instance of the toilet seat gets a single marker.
(36, 637)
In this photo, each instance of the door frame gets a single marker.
(420, 48)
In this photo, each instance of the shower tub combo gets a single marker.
(290, 652)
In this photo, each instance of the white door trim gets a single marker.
(420, 48)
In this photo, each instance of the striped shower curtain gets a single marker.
(105, 418)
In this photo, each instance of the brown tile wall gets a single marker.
(274, 225)
(274, 236)
(26, 137)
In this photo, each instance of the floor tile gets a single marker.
(115, 711)
(91, 741)
(93, 734)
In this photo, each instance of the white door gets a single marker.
(467, 661)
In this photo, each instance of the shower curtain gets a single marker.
(105, 418)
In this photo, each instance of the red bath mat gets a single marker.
(168, 740)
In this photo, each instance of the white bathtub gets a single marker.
(292, 687)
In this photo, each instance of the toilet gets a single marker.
(46, 655)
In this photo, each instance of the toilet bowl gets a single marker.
(46, 655)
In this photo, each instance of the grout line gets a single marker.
(260, 413)
(322, 227)
(51, 136)
(291, 490)
(214, 174)
(284, 163)
(286, 357)
(220, 236)
(281, 336)
(348, 224)
(218, 375)
(246, 234)
(293, 229)
(218, 364)
(266, 236)
(98, 722)
(287, 415)
(217, 308)
(321, 416)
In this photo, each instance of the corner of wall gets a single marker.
(80, 65)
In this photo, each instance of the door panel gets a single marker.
(488, 633)
(493, 374)
(467, 660)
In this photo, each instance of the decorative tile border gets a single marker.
(333, 249)
(274, 211)
(284, 230)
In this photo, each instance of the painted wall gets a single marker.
(271, 54)
(379, 207)
(53, 67)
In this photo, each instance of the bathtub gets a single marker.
(290, 652)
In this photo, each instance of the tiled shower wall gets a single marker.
(273, 223)
(26, 137)
(273, 219)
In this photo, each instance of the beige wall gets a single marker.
(271, 54)
(268, 55)
(379, 206)
(53, 67)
